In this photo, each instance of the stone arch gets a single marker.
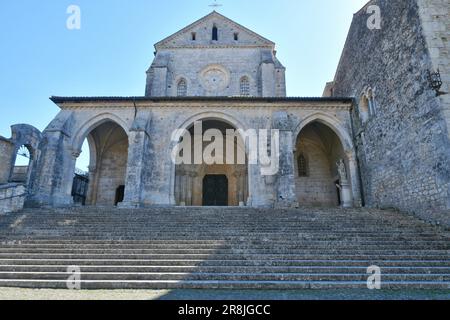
(211, 115)
(29, 137)
(91, 124)
(208, 116)
(108, 141)
(344, 139)
(333, 123)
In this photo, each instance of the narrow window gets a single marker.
(182, 88)
(194, 36)
(215, 34)
(245, 87)
(302, 166)
(236, 36)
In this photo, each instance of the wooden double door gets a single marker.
(215, 191)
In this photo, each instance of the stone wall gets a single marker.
(6, 154)
(198, 66)
(12, 197)
(403, 149)
(19, 174)
(215, 68)
(435, 18)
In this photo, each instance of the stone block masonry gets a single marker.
(403, 147)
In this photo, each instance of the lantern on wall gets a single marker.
(434, 78)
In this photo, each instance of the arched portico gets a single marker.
(322, 141)
(108, 149)
(188, 180)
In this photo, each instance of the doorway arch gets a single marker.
(108, 157)
(319, 148)
(188, 188)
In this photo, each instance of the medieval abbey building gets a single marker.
(379, 137)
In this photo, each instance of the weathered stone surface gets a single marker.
(6, 151)
(12, 197)
(216, 68)
(394, 138)
(403, 146)
(151, 177)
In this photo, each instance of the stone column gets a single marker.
(138, 160)
(286, 178)
(177, 193)
(182, 188)
(193, 176)
(92, 186)
(241, 189)
(354, 178)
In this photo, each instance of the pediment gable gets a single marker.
(199, 34)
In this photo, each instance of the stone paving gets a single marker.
(46, 294)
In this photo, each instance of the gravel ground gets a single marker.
(48, 294)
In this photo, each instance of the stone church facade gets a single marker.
(377, 138)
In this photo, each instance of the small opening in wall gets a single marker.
(194, 36)
(215, 33)
(236, 36)
(21, 166)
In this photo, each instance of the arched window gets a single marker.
(244, 87)
(302, 164)
(182, 88)
(215, 33)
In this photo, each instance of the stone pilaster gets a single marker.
(53, 181)
(138, 160)
(285, 186)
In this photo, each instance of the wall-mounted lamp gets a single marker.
(434, 78)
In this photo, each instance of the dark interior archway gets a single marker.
(318, 149)
(189, 178)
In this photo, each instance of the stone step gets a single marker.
(261, 285)
(224, 249)
(217, 243)
(218, 256)
(222, 276)
(250, 220)
(237, 248)
(226, 269)
(164, 236)
(214, 262)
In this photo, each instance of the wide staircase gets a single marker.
(225, 248)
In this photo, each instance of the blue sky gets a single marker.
(109, 55)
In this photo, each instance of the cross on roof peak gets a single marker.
(215, 5)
